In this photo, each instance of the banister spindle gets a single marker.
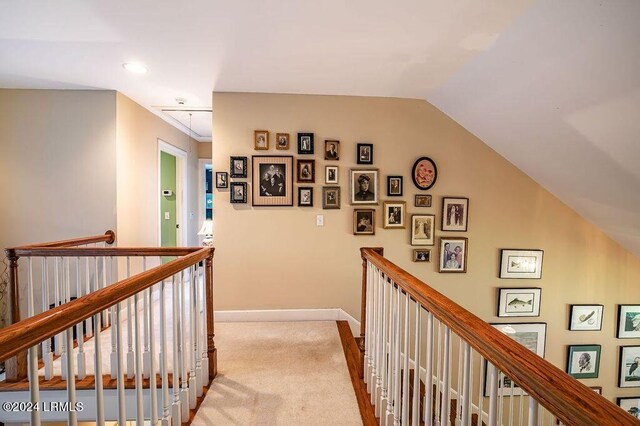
(372, 318)
(88, 324)
(153, 395)
(138, 362)
(175, 365)
(493, 394)
(182, 348)
(82, 366)
(415, 410)
(97, 364)
(533, 412)
(32, 359)
(458, 414)
(481, 384)
(428, 379)
(71, 378)
(146, 357)
(446, 378)
(192, 349)
(130, 356)
(47, 355)
(405, 368)
(466, 379)
(164, 368)
(117, 324)
(198, 332)
(396, 392)
(57, 301)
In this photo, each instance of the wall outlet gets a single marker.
(167, 216)
(319, 220)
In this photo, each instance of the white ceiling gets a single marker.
(551, 85)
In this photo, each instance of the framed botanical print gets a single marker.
(272, 180)
(629, 365)
(394, 214)
(583, 361)
(628, 322)
(519, 302)
(586, 317)
(364, 153)
(422, 255)
(305, 143)
(331, 175)
(364, 222)
(238, 193)
(332, 150)
(453, 254)
(455, 215)
(282, 141)
(238, 167)
(222, 180)
(394, 186)
(521, 264)
(422, 229)
(422, 201)
(305, 196)
(364, 186)
(330, 197)
(424, 173)
(261, 139)
(306, 171)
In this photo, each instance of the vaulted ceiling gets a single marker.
(553, 86)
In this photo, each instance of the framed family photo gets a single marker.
(586, 317)
(272, 180)
(422, 229)
(628, 322)
(583, 361)
(629, 374)
(330, 197)
(519, 302)
(261, 139)
(422, 201)
(631, 405)
(364, 222)
(238, 193)
(222, 180)
(282, 141)
(394, 214)
(424, 173)
(238, 167)
(521, 264)
(331, 150)
(364, 186)
(394, 186)
(331, 175)
(306, 171)
(305, 196)
(305, 143)
(364, 153)
(455, 214)
(422, 255)
(453, 254)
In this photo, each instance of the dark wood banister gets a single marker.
(108, 237)
(566, 398)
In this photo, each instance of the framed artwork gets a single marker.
(305, 196)
(330, 197)
(238, 192)
(364, 186)
(522, 264)
(628, 322)
(306, 171)
(238, 167)
(222, 180)
(331, 150)
(261, 139)
(453, 254)
(282, 141)
(364, 222)
(519, 302)
(422, 255)
(272, 180)
(422, 229)
(331, 175)
(394, 213)
(394, 186)
(583, 361)
(424, 173)
(422, 201)
(586, 318)
(364, 153)
(631, 405)
(596, 389)
(305, 143)
(629, 374)
(455, 214)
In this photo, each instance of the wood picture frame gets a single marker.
(364, 185)
(422, 200)
(519, 302)
(331, 175)
(305, 171)
(455, 214)
(583, 361)
(364, 222)
(272, 180)
(282, 141)
(424, 173)
(238, 193)
(260, 140)
(305, 143)
(394, 215)
(422, 255)
(450, 246)
(423, 229)
(394, 186)
(238, 167)
(521, 263)
(330, 197)
(332, 150)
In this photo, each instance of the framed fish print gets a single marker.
(583, 361)
(272, 180)
(629, 374)
(628, 322)
(519, 302)
(424, 173)
(521, 264)
(586, 318)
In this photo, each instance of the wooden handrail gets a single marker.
(108, 237)
(100, 251)
(566, 398)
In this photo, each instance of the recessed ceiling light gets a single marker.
(135, 67)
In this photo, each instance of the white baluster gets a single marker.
(88, 324)
(152, 362)
(117, 324)
(405, 373)
(71, 380)
(466, 386)
(193, 349)
(375, 337)
(533, 412)
(47, 355)
(138, 362)
(367, 327)
(56, 302)
(428, 379)
(521, 410)
(64, 294)
(415, 420)
(480, 392)
(203, 318)
(130, 356)
(446, 378)
(388, 359)
(493, 394)
(501, 393)
(97, 366)
(32, 365)
(372, 315)
(196, 333)
(438, 390)
(146, 357)
(82, 365)
(175, 407)
(166, 401)
(458, 409)
(182, 349)
(511, 401)
(105, 314)
(396, 356)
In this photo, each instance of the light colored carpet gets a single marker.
(278, 373)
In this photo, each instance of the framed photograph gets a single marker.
(238, 167)
(238, 192)
(305, 143)
(364, 186)
(394, 213)
(364, 153)
(306, 171)
(424, 173)
(282, 141)
(628, 322)
(394, 186)
(331, 150)
(455, 214)
(422, 201)
(522, 264)
(422, 255)
(631, 405)
(222, 180)
(305, 196)
(261, 139)
(596, 389)
(422, 229)
(331, 175)
(583, 361)
(364, 222)
(453, 254)
(330, 197)
(519, 302)
(629, 367)
(586, 318)
(272, 180)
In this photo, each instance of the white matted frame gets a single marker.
(586, 317)
(628, 322)
(519, 302)
(521, 264)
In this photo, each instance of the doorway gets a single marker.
(172, 190)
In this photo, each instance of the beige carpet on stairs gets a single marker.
(277, 373)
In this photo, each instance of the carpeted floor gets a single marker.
(278, 373)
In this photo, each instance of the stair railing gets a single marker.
(427, 360)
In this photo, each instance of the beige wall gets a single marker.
(204, 150)
(269, 258)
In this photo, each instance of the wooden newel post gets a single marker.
(363, 306)
(16, 367)
(211, 347)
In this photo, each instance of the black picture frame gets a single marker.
(624, 311)
(623, 378)
(395, 191)
(305, 143)
(234, 196)
(592, 319)
(308, 203)
(633, 408)
(233, 170)
(424, 173)
(364, 153)
(222, 180)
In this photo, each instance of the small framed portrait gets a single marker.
(521, 264)
(422, 229)
(306, 171)
(519, 302)
(330, 197)
(596, 389)
(453, 254)
(364, 222)
(424, 173)
(331, 175)
(305, 143)
(282, 141)
(222, 180)
(332, 150)
(305, 196)
(583, 361)
(272, 180)
(364, 153)
(586, 318)
(628, 322)
(394, 214)
(238, 192)
(261, 139)
(631, 405)
(394, 186)
(629, 374)
(364, 186)
(422, 201)
(422, 255)
(455, 214)
(238, 167)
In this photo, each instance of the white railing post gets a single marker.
(164, 368)
(152, 362)
(415, 418)
(82, 365)
(130, 356)
(192, 349)
(71, 378)
(175, 367)
(405, 373)
(97, 361)
(146, 357)
(395, 393)
(466, 377)
(533, 412)
(56, 302)
(428, 380)
(34, 380)
(138, 361)
(47, 355)
(182, 348)
(117, 324)
(493, 394)
(446, 378)
(196, 336)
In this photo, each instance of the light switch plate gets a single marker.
(167, 216)
(319, 220)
